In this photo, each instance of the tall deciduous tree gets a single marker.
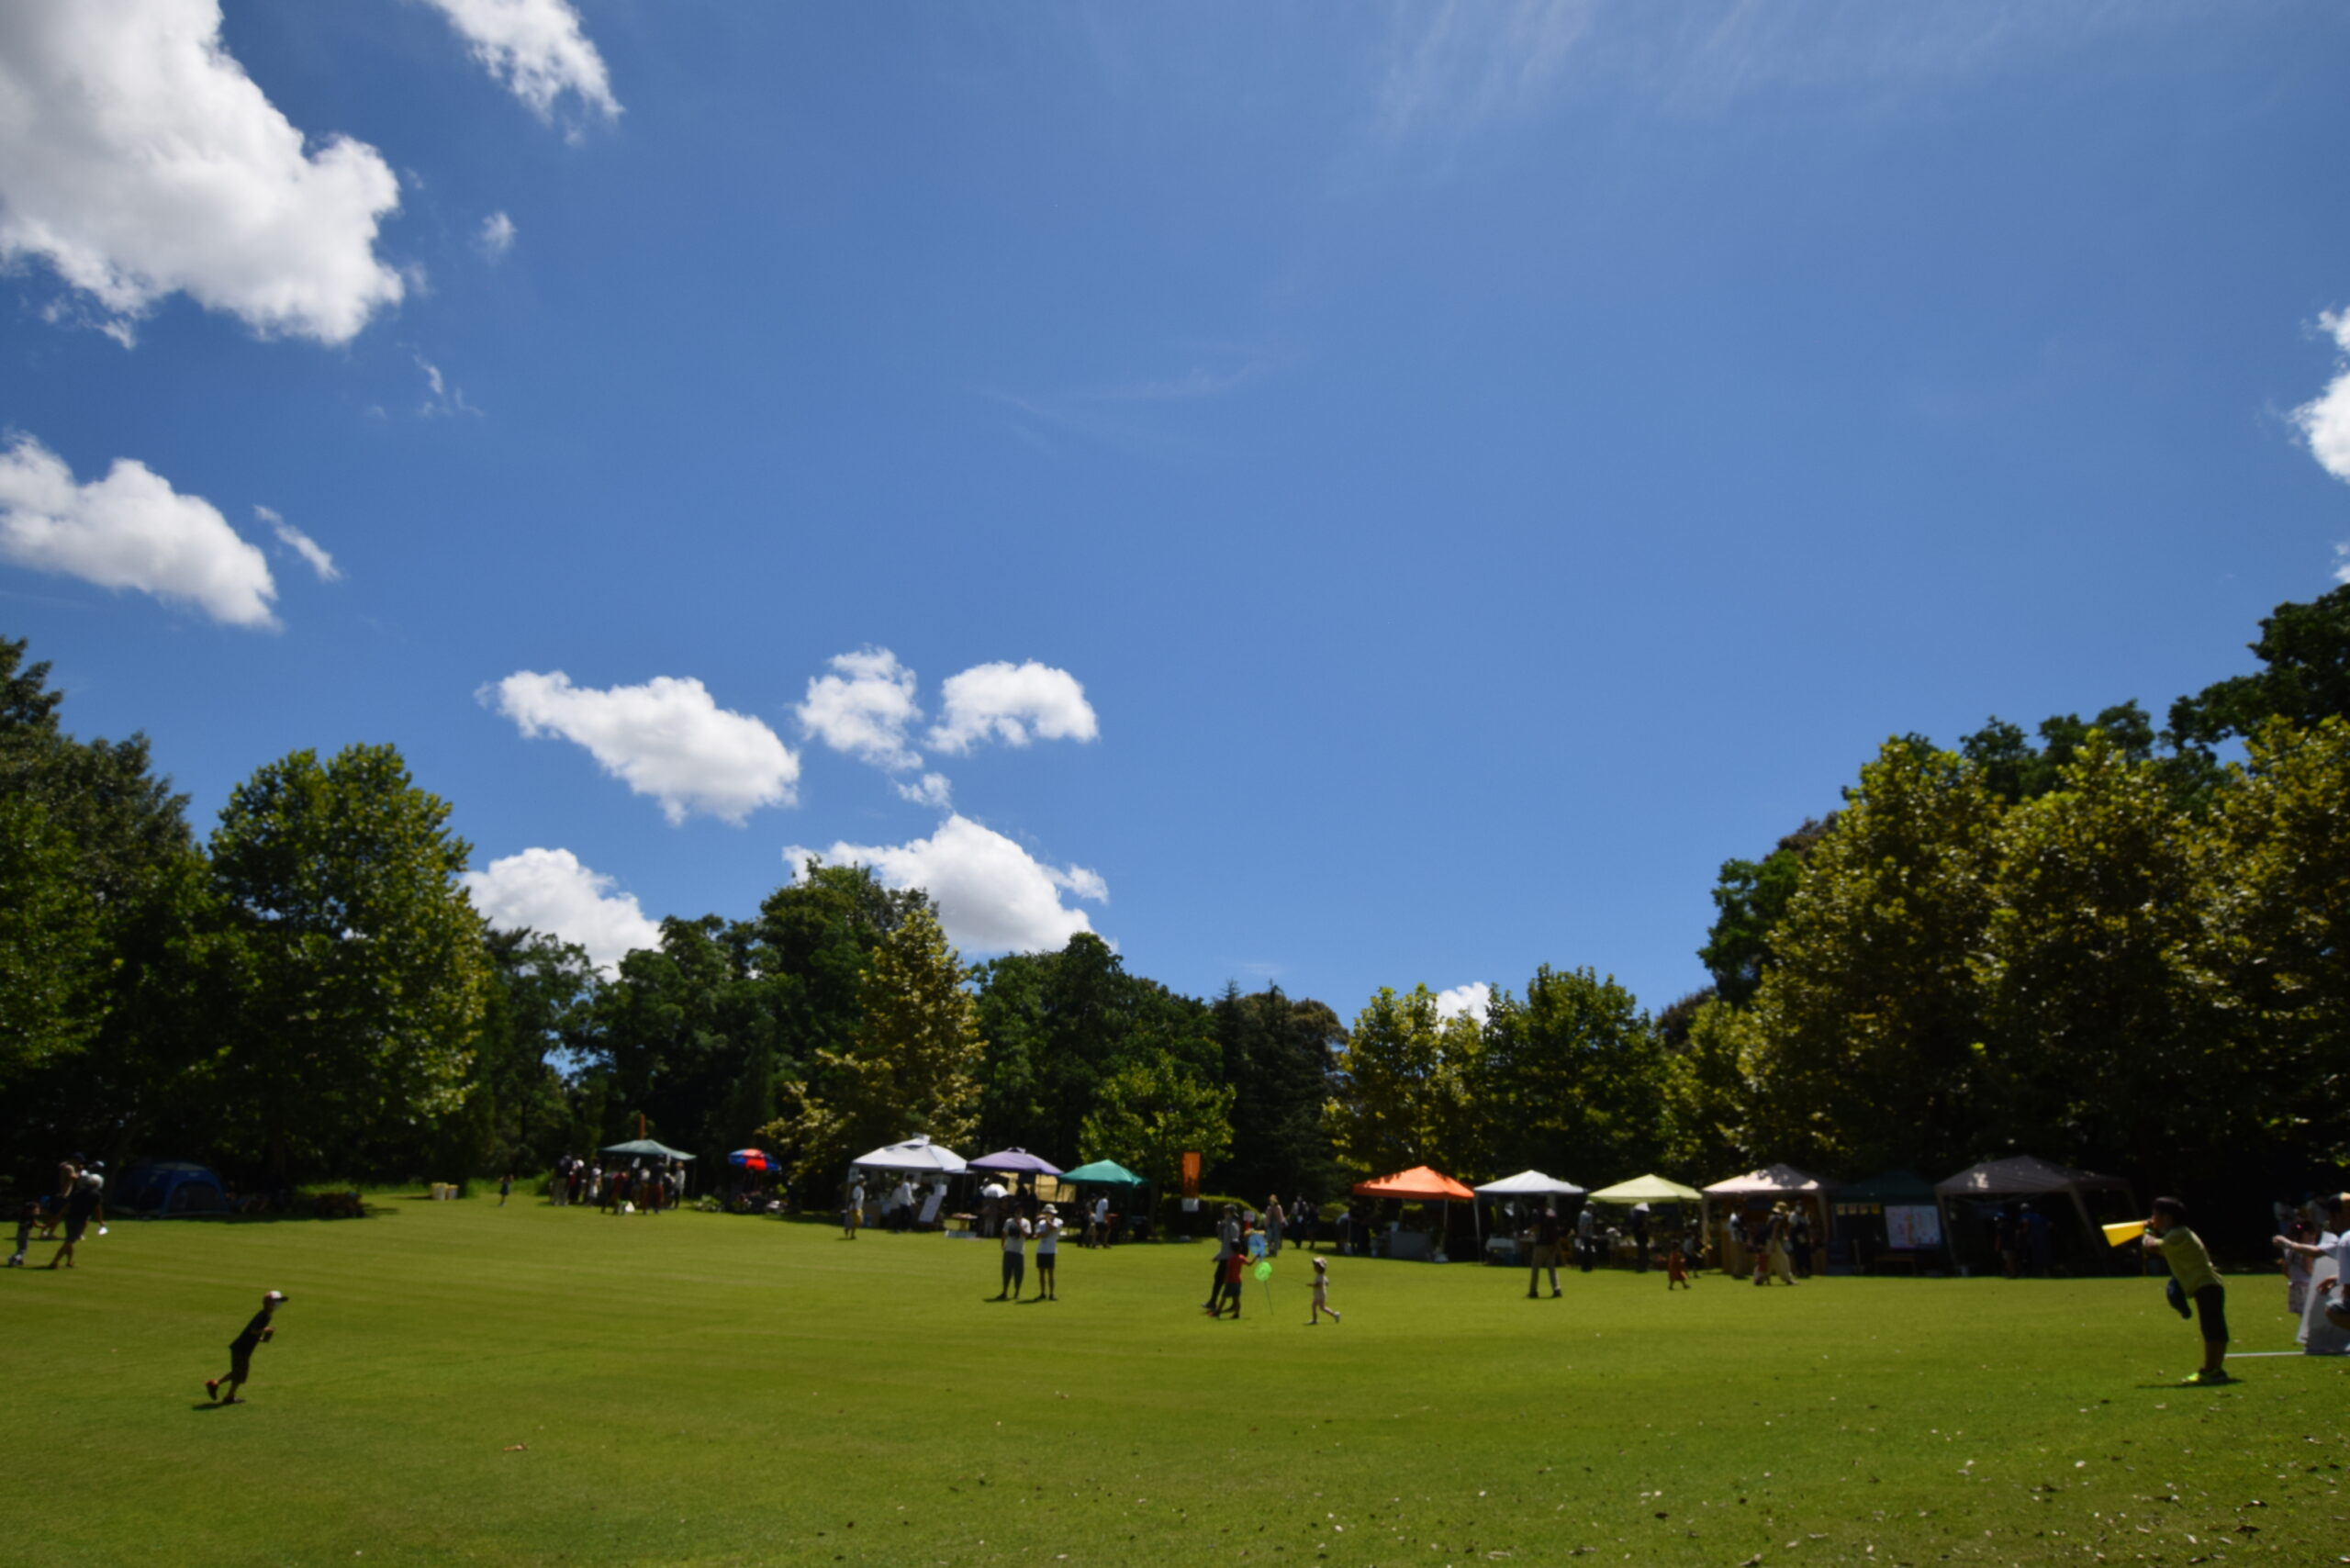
(1406, 1087)
(1151, 1110)
(359, 960)
(1867, 1023)
(1570, 1078)
(913, 1067)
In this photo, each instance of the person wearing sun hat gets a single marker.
(1048, 1250)
(241, 1349)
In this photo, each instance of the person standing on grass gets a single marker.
(1321, 1296)
(241, 1349)
(1016, 1260)
(1546, 1253)
(2190, 1265)
(1048, 1251)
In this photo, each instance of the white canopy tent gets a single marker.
(1529, 1184)
(917, 1155)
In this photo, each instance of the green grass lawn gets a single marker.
(462, 1383)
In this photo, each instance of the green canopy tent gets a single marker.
(1105, 1174)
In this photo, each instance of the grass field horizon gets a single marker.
(459, 1382)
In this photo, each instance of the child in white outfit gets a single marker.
(1321, 1296)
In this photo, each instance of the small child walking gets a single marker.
(1322, 1296)
(240, 1350)
(1676, 1266)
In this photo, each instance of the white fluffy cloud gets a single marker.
(139, 160)
(1014, 704)
(864, 708)
(2324, 420)
(1475, 999)
(992, 895)
(302, 544)
(550, 891)
(497, 236)
(668, 739)
(537, 48)
(129, 530)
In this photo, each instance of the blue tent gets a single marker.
(167, 1188)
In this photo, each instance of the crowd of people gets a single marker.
(633, 1188)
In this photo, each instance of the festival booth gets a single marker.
(1420, 1184)
(1970, 1201)
(1756, 1193)
(1531, 1185)
(1125, 1188)
(914, 1158)
(1889, 1221)
(1642, 1192)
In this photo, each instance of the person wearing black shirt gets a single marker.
(1546, 1253)
(240, 1350)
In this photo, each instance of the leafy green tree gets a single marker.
(1406, 1088)
(1060, 1024)
(914, 1067)
(2305, 654)
(1750, 898)
(359, 965)
(2272, 949)
(1709, 1092)
(1866, 1024)
(1572, 1078)
(1278, 1057)
(1151, 1110)
(2098, 1049)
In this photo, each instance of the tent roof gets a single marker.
(1527, 1183)
(1648, 1189)
(1889, 1187)
(1104, 1172)
(913, 1154)
(1770, 1178)
(2021, 1175)
(1017, 1160)
(1419, 1181)
(646, 1145)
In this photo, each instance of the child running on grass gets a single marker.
(2190, 1266)
(1322, 1296)
(240, 1350)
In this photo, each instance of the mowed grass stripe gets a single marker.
(712, 1390)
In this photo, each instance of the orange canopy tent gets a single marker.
(1419, 1181)
(1422, 1182)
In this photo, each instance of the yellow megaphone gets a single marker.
(2121, 1235)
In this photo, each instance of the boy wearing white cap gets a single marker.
(240, 1350)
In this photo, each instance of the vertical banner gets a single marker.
(1190, 1173)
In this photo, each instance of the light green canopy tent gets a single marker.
(645, 1145)
(1648, 1189)
(1104, 1172)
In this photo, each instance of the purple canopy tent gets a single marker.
(1016, 1162)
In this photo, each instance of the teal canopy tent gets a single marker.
(648, 1148)
(1105, 1174)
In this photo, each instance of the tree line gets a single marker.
(2106, 944)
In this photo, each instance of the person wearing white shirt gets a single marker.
(1048, 1248)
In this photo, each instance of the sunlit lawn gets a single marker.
(458, 1382)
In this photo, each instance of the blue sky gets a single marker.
(1344, 495)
